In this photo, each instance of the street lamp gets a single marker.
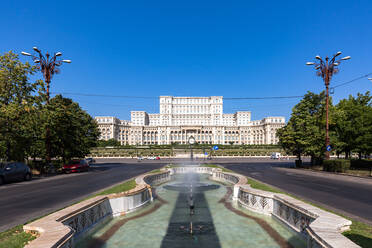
(191, 142)
(326, 69)
(48, 65)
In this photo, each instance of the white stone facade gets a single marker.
(182, 117)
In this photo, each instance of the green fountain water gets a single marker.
(214, 225)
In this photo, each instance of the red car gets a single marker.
(76, 166)
(157, 158)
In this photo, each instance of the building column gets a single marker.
(223, 136)
(169, 138)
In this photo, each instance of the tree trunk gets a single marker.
(8, 145)
(8, 150)
(63, 156)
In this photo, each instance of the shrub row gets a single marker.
(196, 146)
(339, 165)
(361, 164)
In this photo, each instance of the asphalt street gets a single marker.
(24, 201)
(351, 196)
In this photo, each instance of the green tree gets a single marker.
(17, 98)
(35, 132)
(73, 131)
(353, 125)
(305, 131)
(290, 138)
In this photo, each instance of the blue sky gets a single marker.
(193, 48)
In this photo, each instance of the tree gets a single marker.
(24, 117)
(290, 139)
(73, 131)
(305, 131)
(17, 98)
(354, 124)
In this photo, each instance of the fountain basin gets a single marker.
(213, 224)
(68, 227)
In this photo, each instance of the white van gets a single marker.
(275, 155)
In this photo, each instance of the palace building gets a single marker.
(180, 118)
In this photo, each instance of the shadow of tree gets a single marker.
(361, 240)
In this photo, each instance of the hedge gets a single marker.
(298, 163)
(339, 165)
(361, 164)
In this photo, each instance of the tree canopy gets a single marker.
(350, 126)
(304, 132)
(353, 124)
(17, 99)
(73, 131)
(24, 117)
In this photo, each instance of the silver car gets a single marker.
(90, 160)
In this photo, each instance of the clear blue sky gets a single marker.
(193, 48)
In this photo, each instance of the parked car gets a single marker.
(275, 155)
(76, 165)
(140, 158)
(14, 171)
(90, 160)
(158, 158)
(151, 158)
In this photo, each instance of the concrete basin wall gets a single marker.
(157, 178)
(124, 203)
(199, 169)
(64, 228)
(318, 227)
(128, 201)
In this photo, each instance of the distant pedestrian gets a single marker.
(191, 205)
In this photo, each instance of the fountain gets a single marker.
(194, 212)
(191, 142)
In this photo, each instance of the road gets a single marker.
(24, 201)
(351, 196)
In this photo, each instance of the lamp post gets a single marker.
(48, 65)
(191, 142)
(326, 69)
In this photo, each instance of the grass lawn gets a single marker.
(128, 185)
(15, 238)
(257, 185)
(217, 166)
(155, 171)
